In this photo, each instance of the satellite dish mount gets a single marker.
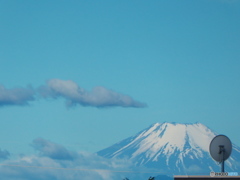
(221, 153)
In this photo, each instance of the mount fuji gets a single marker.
(172, 148)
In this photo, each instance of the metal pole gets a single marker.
(222, 166)
(222, 151)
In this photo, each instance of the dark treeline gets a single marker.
(150, 178)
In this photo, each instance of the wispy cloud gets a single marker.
(54, 161)
(16, 96)
(52, 150)
(4, 154)
(76, 95)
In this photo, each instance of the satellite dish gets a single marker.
(220, 149)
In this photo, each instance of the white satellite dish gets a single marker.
(220, 149)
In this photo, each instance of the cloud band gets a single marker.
(75, 95)
(98, 97)
(16, 96)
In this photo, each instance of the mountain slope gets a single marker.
(173, 148)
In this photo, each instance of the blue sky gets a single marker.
(154, 61)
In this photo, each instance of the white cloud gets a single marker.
(16, 96)
(98, 97)
(46, 166)
(194, 169)
(52, 150)
(4, 154)
(75, 95)
(54, 162)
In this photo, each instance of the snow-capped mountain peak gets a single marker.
(171, 136)
(171, 146)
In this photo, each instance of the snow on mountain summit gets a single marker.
(175, 136)
(175, 147)
(171, 136)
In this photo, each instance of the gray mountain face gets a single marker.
(173, 149)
